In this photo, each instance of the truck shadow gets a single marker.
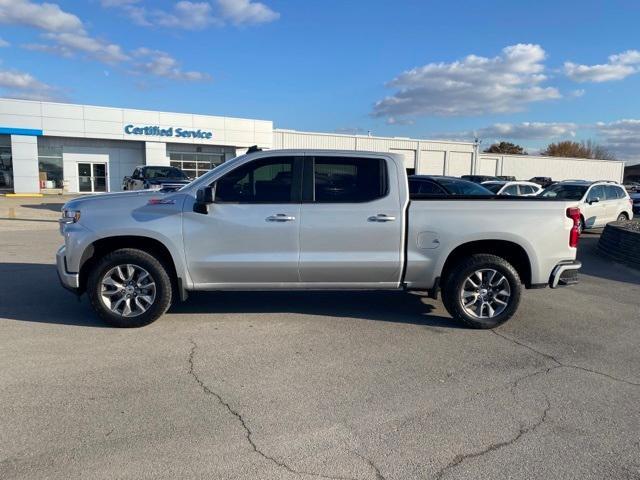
(52, 207)
(32, 293)
(385, 306)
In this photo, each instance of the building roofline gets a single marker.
(348, 135)
(551, 156)
(133, 109)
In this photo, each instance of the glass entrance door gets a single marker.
(6, 166)
(92, 177)
(99, 177)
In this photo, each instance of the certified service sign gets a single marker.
(156, 131)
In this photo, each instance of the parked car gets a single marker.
(435, 185)
(523, 189)
(155, 177)
(544, 182)
(506, 178)
(478, 178)
(312, 219)
(632, 187)
(599, 202)
(635, 199)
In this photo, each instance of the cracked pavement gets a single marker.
(353, 386)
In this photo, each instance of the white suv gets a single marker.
(516, 188)
(599, 202)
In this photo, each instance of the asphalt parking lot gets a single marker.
(313, 385)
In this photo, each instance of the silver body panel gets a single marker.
(235, 243)
(320, 246)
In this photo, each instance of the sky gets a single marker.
(527, 72)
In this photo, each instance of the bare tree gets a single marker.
(584, 149)
(506, 147)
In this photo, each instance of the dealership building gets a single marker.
(55, 147)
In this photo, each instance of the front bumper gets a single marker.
(565, 274)
(70, 281)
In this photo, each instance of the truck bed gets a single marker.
(436, 224)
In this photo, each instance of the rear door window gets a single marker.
(610, 192)
(349, 179)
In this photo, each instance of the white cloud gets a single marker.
(44, 16)
(517, 131)
(161, 64)
(529, 130)
(3, 43)
(66, 35)
(621, 137)
(185, 15)
(471, 86)
(118, 3)
(68, 44)
(618, 67)
(189, 15)
(66, 31)
(246, 12)
(16, 84)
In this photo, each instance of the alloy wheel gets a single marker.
(485, 293)
(128, 290)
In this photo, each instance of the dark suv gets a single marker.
(544, 182)
(479, 178)
(438, 186)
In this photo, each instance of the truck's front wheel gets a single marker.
(129, 288)
(483, 291)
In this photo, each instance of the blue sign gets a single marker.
(167, 132)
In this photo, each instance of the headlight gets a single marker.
(70, 216)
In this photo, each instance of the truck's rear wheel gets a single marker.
(483, 291)
(129, 288)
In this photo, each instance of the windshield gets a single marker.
(164, 172)
(462, 187)
(494, 187)
(567, 192)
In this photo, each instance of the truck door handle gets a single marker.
(381, 217)
(280, 217)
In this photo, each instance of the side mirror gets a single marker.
(204, 198)
(594, 200)
(205, 195)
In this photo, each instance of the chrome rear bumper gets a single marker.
(565, 274)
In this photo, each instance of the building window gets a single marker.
(6, 165)
(197, 160)
(194, 164)
(50, 166)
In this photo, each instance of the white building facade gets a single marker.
(54, 147)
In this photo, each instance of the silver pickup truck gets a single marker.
(313, 220)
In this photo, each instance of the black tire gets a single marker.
(623, 217)
(156, 270)
(454, 283)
